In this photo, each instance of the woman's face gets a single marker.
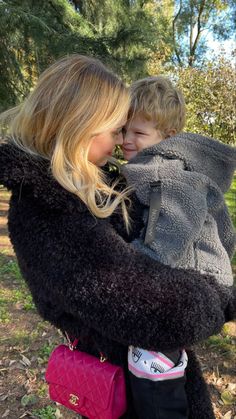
(103, 144)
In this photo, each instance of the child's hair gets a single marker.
(75, 98)
(157, 99)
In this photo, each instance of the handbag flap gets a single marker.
(83, 374)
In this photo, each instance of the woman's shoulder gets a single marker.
(29, 177)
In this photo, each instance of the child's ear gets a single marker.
(171, 133)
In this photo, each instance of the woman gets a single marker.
(84, 277)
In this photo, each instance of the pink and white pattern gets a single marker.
(155, 366)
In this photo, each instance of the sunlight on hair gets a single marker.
(157, 99)
(74, 99)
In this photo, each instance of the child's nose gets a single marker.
(128, 138)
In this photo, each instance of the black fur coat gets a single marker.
(87, 279)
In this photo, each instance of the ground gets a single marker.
(27, 342)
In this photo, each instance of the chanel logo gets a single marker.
(73, 399)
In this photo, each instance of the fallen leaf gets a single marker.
(25, 350)
(58, 414)
(6, 413)
(17, 365)
(232, 388)
(227, 415)
(3, 397)
(229, 329)
(25, 360)
(220, 381)
(28, 414)
(40, 361)
(227, 397)
(227, 364)
(19, 306)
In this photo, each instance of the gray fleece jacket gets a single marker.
(182, 181)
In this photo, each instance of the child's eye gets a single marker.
(139, 133)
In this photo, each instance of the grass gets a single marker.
(20, 337)
(221, 344)
(10, 267)
(20, 295)
(230, 198)
(45, 351)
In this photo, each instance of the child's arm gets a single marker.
(178, 221)
(188, 224)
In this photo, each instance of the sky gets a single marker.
(217, 47)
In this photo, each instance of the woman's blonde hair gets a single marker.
(74, 99)
(157, 99)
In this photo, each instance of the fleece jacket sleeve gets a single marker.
(183, 213)
(124, 294)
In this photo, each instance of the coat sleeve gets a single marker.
(183, 211)
(129, 297)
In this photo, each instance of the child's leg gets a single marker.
(158, 384)
(159, 399)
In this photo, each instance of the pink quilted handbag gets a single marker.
(88, 385)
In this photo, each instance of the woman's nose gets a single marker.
(120, 139)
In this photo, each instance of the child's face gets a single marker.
(139, 134)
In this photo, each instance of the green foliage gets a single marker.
(10, 267)
(28, 400)
(45, 351)
(33, 34)
(127, 28)
(5, 316)
(220, 343)
(210, 97)
(230, 198)
(47, 412)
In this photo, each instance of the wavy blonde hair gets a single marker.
(157, 99)
(75, 98)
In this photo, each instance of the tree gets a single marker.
(210, 98)
(128, 29)
(188, 23)
(32, 36)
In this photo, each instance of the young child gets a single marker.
(180, 179)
